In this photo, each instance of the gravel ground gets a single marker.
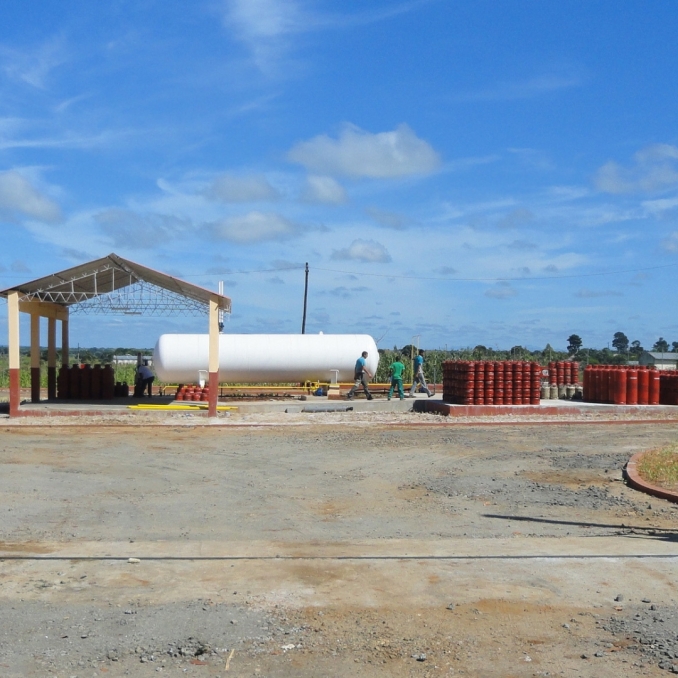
(344, 546)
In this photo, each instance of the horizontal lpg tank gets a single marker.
(263, 358)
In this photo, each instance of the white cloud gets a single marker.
(19, 266)
(33, 67)
(320, 189)
(654, 169)
(670, 244)
(138, 231)
(516, 218)
(255, 227)
(229, 188)
(594, 294)
(524, 89)
(264, 26)
(398, 222)
(364, 250)
(502, 290)
(19, 196)
(522, 245)
(357, 153)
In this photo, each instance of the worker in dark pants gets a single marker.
(144, 381)
(361, 375)
(419, 378)
(397, 368)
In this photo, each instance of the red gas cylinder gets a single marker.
(195, 396)
(517, 369)
(74, 381)
(632, 387)
(96, 382)
(560, 372)
(63, 382)
(604, 393)
(643, 386)
(595, 384)
(204, 395)
(86, 382)
(586, 385)
(479, 384)
(553, 373)
(489, 375)
(508, 385)
(653, 398)
(107, 382)
(575, 373)
(619, 387)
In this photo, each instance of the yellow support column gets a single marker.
(51, 359)
(35, 358)
(213, 358)
(14, 356)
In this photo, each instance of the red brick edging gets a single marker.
(634, 480)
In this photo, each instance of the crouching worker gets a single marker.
(144, 380)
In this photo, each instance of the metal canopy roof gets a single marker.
(113, 285)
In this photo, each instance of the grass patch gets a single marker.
(660, 467)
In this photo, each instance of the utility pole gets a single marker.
(221, 312)
(303, 321)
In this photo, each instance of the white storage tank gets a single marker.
(263, 358)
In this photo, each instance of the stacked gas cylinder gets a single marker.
(563, 381)
(628, 385)
(84, 382)
(511, 382)
(668, 387)
(193, 393)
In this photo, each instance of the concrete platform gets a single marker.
(120, 406)
(420, 403)
(546, 407)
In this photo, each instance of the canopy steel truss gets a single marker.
(113, 290)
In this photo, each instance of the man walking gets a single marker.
(397, 368)
(361, 375)
(419, 377)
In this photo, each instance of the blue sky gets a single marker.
(493, 173)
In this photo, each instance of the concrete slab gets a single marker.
(546, 407)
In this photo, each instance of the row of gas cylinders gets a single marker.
(627, 385)
(86, 382)
(511, 382)
(563, 372)
(621, 385)
(194, 393)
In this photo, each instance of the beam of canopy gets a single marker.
(113, 285)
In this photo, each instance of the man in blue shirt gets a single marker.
(419, 377)
(360, 377)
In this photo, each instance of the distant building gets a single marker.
(130, 359)
(661, 361)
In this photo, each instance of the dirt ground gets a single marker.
(331, 549)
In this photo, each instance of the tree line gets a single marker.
(623, 349)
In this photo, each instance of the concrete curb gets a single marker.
(637, 483)
(449, 410)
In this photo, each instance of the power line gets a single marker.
(505, 279)
(416, 277)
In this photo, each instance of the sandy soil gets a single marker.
(336, 546)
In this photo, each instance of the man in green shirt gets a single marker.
(397, 369)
